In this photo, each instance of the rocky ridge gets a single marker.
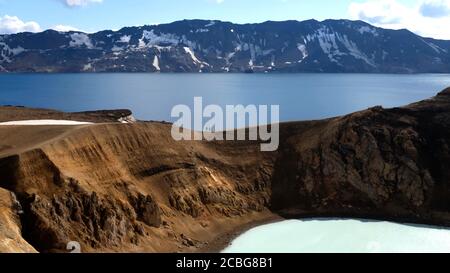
(214, 46)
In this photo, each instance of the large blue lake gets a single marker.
(152, 96)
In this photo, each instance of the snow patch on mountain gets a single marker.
(435, 47)
(212, 23)
(329, 42)
(80, 40)
(356, 52)
(193, 57)
(116, 48)
(156, 63)
(87, 67)
(303, 51)
(367, 29)
(18, 50)
(149, 38)
(125, 39)
(7, 53)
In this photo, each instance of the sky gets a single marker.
(430, 18)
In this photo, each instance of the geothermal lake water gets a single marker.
(342, 236)
(152, 96)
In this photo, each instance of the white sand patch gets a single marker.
(41, 122)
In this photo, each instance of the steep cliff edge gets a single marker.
(131, 187)
(385, 163)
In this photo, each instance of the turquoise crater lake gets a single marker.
(342, 236)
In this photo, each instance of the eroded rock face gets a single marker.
(147, 210)
(79, 216)
(109, 186)
(11, 240)
(130, 187)
(390, 162)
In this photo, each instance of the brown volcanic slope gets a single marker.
(130, 187)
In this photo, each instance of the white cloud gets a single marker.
(429, 18)
(79, 3)
(64, 28)
(12, 24)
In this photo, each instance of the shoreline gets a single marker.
(222, 241)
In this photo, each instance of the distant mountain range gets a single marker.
(215, 46)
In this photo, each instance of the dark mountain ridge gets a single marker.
(216, 46)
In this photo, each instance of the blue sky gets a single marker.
(421, 16)
(118, 13)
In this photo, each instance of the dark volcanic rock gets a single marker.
(446, 92)
(386, 163)
(214, 46)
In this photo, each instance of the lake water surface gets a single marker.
(342, 236)
(152, 96)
